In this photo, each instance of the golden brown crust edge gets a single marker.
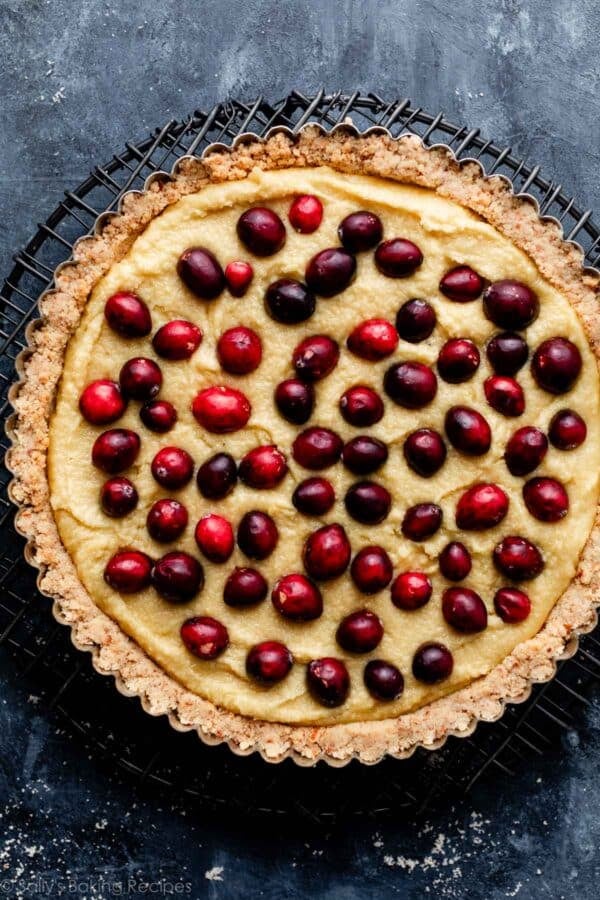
(40, 368)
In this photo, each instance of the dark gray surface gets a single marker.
(78, 79)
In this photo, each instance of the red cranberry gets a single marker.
(507, 352)
(289, 301)
(315, 357)
(204, 636)
(525, 450)
(172, 467)
(364, 454)
(177, 577)
(510, 304)
(263, 467)
(217, 476)
(245, 587)
(140, 379)
(201, 272)
(239, 350)
(464, 610)
(383, 680)
(421, 521)
(398, 258)
(166, 520)
(330, 271)
(360, 632)
(461, 284)
(306, 214)
(326, 552)
(367, 502)
(518, 558)
(360, 231)
(411, 590)
(373, 340)
(177, 340)
(415, 321)
(512, 605)
(328, 681)
(458, 360)
(128, 571)
(158, 416)
(425, 452)
(567, 430)
(257, 535)
(221, 409)
(432, 663)
(455, 561)
(467, 430)
(128, 315)
(269, 662)
(296, 597)
(118, 497)
(481, 506)
(238, 275)
(410, 384)
(556, 365)
(115, 450)
(505, 395)
(371, 570)
(261, 231)
(214, 536)
(314, 497)
(295, 400)
(317, 448)
(546, 499)
(102, 402)
(361, 406)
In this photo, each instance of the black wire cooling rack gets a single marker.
(115, 729)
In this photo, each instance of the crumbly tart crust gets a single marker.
(405, 160)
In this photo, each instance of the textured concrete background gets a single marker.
(79, 77)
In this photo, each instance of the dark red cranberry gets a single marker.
(425, 452)
(118, 497)
(421, 521)
(518, 558)
(261, 231)
(327, 552)
(128, 315)
(245, 587)
(128, 571)
(239, 350)
(507, 352)
(455, 561)
(328, 681)
(411, 590)
(140, 379)
(306, 214)
(467, 430)
(317, 448)
(525, 450)
(360, 231)
(257, 534)
(373, 340)
(201, 272)
(364, 454)
(158, 416)
(177, 577)
(314, 497)
(214, 536)
(166, 520)
(330, 271)
(461, 284)
(383, 680)
(556, 365)
(361, 406)
(204, 636)
(432, 663)
(546, 499)
(567, 430)
(458, 360)
(505, 395)
(481, 506)
(415, 321)
(269, 662)
(296, 597)
(512, 605)
(176, 340)
(221, 409)
(289, 301)
(263, 467)
(102, 402)
(371, 570)
(172, 467)
(295, 400)
(410, 384)
(367, 502)
(315, 357)
(464, 610)
(115, 450)
(217, 476)
(398, 258)
(238, 275)
(510, 304)
(360, 632)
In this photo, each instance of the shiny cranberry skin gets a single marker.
(360, 632)
(326, 552)
(177, 340)
(314, 497)
(398, 258)
(510, 304)
(261, 231)
(455, 561)
(367, 502)
(201, 272)
(421, 521)
(115, 450)
(371, 570)
(221, 409)
(518, 558)
(204, 636)
(464, 610)
(257, 534)
(239, 350)
(245, 587)
(102, 402)
(412, 385)
(295, 400)
(269, 662)
(525, 450)
(296, 597)
(330, 271)
(128, 315)
(317, 448)
(373, 340)
(172, 467)
(328, 681)
(415, 321)
(361, 406)
(217, 476)
(458, 360)
(505, 395)
(118, 497)
(289, 301)
(556, 365)
(128, 571)
(263, 467)
(158, 416)
(238, 275)
(411, 590)
(512, 605)
(177, 576)
(364, 454)
(140, 379)
(360, 231)
(432, 663)
(546, 499)
(507, 352)
(567, 430)
(383, 680)
(214, 536)
(425, 452)
(461, 284)
(481, 506)
(306, 214)
(166, 520)
(467, 430)
(315, 357)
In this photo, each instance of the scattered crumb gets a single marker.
(214, 874)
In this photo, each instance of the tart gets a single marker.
(307, 444)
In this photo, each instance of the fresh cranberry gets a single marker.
(314, 497)
(128, 315)
(238, 275)
(115, 450)
(289, 301)
(315, 357)
(464, 610)
(261, 231)
(467, 430)
(556, 365)
(360, 231)
(257, 534)
(567, 430)
(507, 352)
(410, 384)
(458, 360)
(481, 506)
(128, 571)
(326, 552)
(201, 272)
(239, 350)
(383, 680)
(166, 520)
(455, 561)
(371, 570)
(510, 304)
(415, 321)
(411, 590)
(525, 450)
(425, 452)
(461, 284)
(546, 499)
(140, 379)
(217, 476)
(518, 558)
(328, 681)
(102, 402)
(118, 497)
(263, 467)
(177, 576)
(505, 395)
(512, 605)
(221, 409)
(295, 400)
(361, 406)
(330, 271)
(204, 636)
(317, 448)
(360, 632)
(421, 521)
(269, 662)
(398, 258)
(245, 587)
(158, 416)
(432, 663)
(364, 454)
(296, 597)
(172, 467)
(306, 214)
(367, 502)
(373, 340)
(177, 340)
(214, 536)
